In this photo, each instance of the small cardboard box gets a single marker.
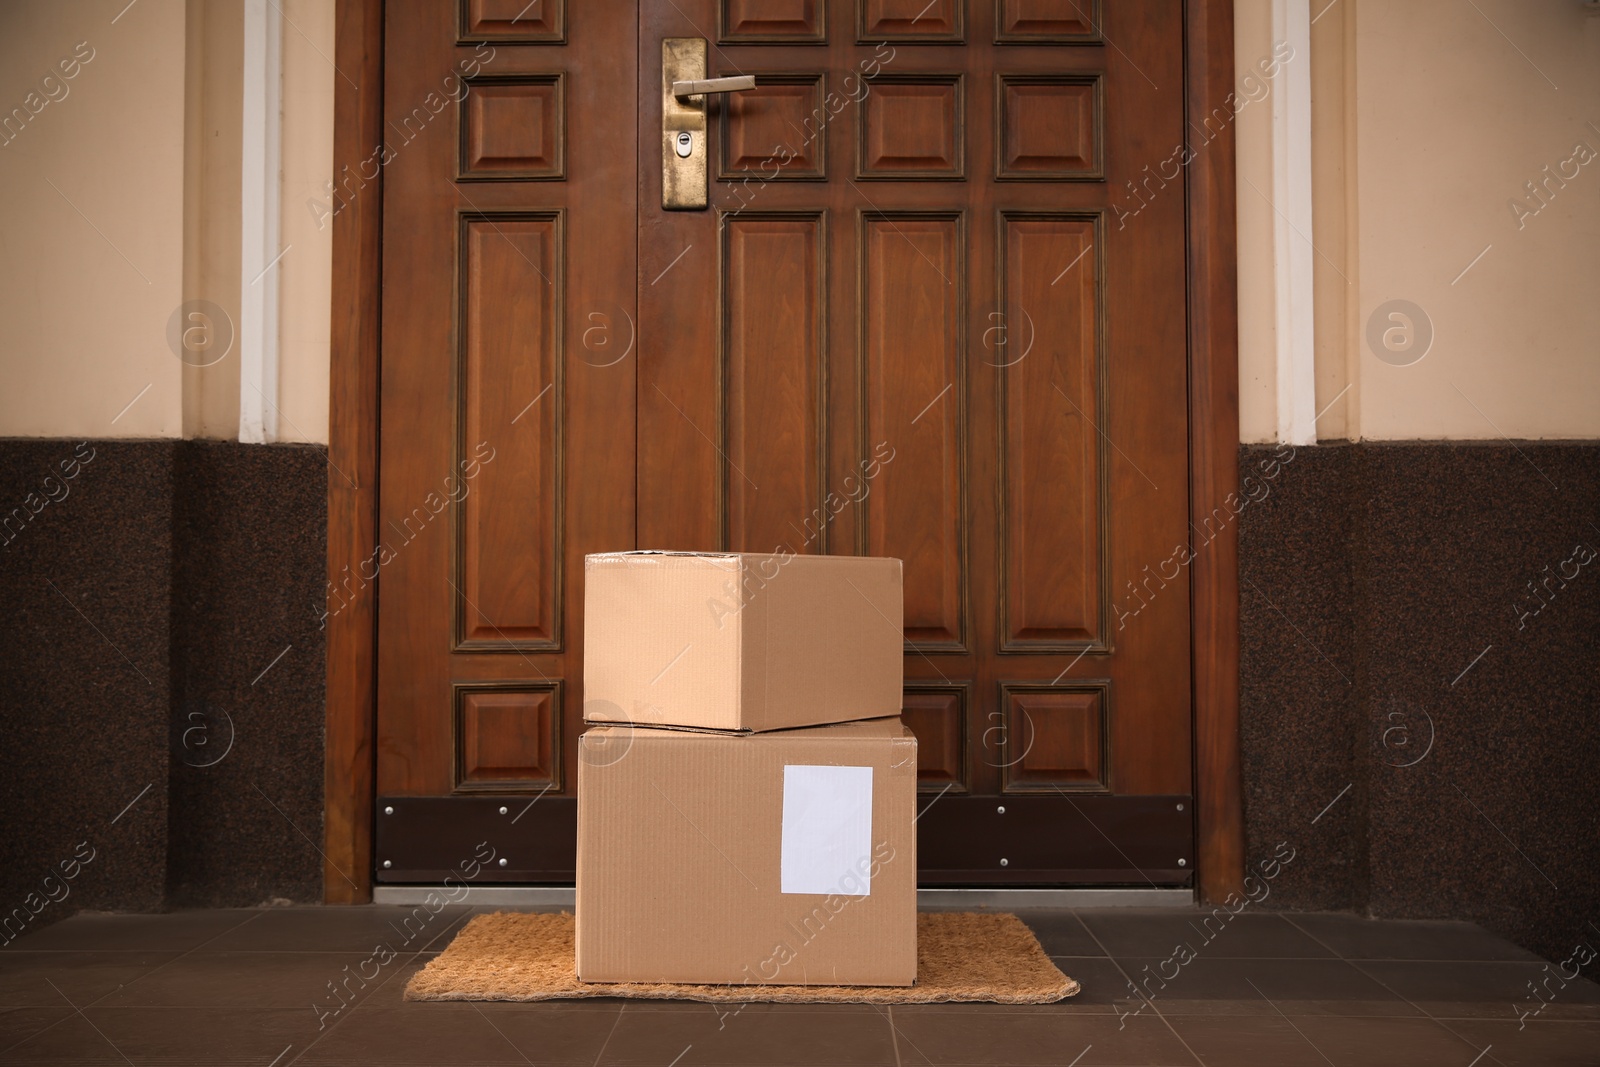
(784, 858)
(738, 641)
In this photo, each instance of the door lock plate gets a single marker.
(684, 93)
(683, 126)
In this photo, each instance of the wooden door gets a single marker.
(936, 310)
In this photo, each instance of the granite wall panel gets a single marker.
(85, 593)
(160, 748)
(249, 555)
(1456, 587)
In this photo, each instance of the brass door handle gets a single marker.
(739, 84)
(684, 92)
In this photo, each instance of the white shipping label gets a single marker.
(827, 830)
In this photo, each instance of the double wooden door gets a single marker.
(934, 310)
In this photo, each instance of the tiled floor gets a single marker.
(255, 987)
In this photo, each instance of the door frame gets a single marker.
(1211, 239)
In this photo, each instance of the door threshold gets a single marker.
(1148, 897)
(515, 896)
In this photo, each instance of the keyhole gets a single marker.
(685, 144)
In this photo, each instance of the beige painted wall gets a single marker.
(91, 227)
(1428, 119)
(1456, 109)
(211, 217)
(304, 289)
(1258, 382)
(144, 142)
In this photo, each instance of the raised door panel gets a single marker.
(774, 21)
(1057, 738)
(768, 133)
(912, 126)
(1046, 21)
(1054, 575)
(940, 21)
(513, 21)
(912, 281)
(508, 590)
(508, 737)
(1050, 127)
(937, 715)
(773, 284)
(513, 127)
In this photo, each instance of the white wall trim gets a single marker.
(1293, 254)
(261, 169)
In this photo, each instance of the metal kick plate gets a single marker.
(683, 175)
(480, 840)
(1012, 840)
(1055, 839)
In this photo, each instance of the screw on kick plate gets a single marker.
(388, 811)
(1001, 810)
(503, 811)
(1180, 807)
(1183, 863)
(1005, 863)
(502, 861)
(387, 864)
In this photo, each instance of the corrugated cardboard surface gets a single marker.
(741, 641)
(679, 860)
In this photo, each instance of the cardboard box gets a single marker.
(785, 858)
(738, 641)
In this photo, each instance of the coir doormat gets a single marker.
(960, 957)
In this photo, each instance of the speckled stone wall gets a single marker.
(249, 552)
(1421, 624)
(145, 587)
(85, 583)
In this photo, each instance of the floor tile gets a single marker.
(254, 980)
(651, 1039)
(1468, 990)
(1103, 990)
(1160, 932)
(170, 1036)
(40, 978)
(1538, 1044)
(1386, 1042)
(242, 986)
(72, 1041)
(1215, 986)
(402, 1037)
(1370, 939)
(954, 1036)
(177, 931)
(341, 929)
(1060, 933)
(1229, 1039)
(1103, 985)
(19, 1024)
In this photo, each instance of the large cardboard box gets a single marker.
(784, 858)
(739, 641)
